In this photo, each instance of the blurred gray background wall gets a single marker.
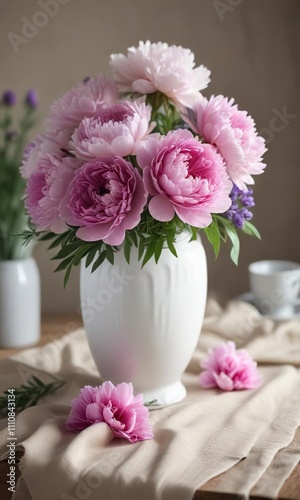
(250, 46)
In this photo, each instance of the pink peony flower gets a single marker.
(115, 130)
(185, 177)
(159, 67)
(105, 198)
(221, 123)
(125, 413)
(49, 143)
(45, 189)
(82, 101)
(229, 369)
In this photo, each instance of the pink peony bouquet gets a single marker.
(136, 158)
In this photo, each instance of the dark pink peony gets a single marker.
(229, 369)
(116, 406)
(185, 177)
(46, 188)
(105, 198)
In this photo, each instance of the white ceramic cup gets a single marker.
(275, 285)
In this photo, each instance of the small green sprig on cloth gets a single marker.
(30, 393)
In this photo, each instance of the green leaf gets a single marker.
(250, 229)
(58, 240)
(110, 255)
(91, 255)
(213, 234)
(37, 381)
(127, 250)
(99, 260)
(67, 274)
(134, 238)
(194, 231)
(82, 252)
(30, 393)
(171, 247)
(47, 236)
(64, 264)
(158, 248)
(149, 253)
(66, 250)
(141, 247)
(232, 234)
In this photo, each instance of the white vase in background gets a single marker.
(20, 303)
(143, 325)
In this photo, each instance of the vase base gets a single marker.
(164, 396)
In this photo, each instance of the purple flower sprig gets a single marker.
(31, 99)
(9, 98)
(239, 211)
(13, 137)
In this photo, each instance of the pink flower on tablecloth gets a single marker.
(229, 369)
(234, 133)
(185, 177)
(115, 130)
(46, 188)
(152, 67)
(105, 198)
(123, 412)
(85, 100)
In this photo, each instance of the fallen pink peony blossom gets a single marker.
(229, 369)
(116, 406)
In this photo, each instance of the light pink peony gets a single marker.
(115, 130)
(45, 189)
(82, 101)
(221, 123)
(116, 406)
(229, 369)
(48, 143)
(105, 198)
(158, 66)
(185, 177)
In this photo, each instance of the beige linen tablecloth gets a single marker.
(206, 434)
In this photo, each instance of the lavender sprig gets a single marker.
(13, 137)
(239, 211)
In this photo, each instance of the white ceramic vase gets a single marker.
(143, 325)
(20, 308)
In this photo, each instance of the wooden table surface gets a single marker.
(54, 327)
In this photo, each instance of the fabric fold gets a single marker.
(209, 433)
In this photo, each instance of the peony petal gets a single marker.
(161, 208)
(93, 413)
(95, 232)
(207, 380)
(223, 381)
